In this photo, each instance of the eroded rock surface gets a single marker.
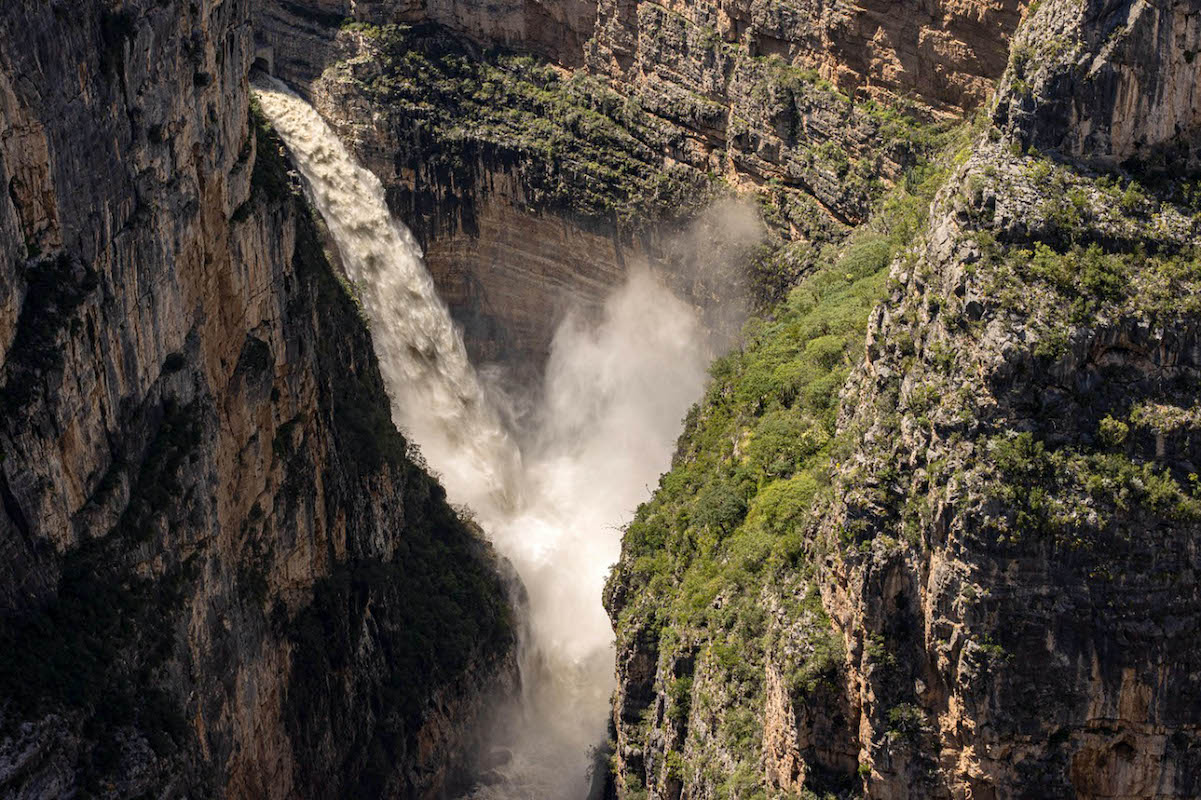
(206, 508)
(993, 595)
(816, 107)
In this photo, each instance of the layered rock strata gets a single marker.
(815, 108)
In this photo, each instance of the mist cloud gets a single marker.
(554, 497)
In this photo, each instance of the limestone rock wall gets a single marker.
(771, 98)
(1013, 627)
(1008, 546)
(1084, 83)
(944, 53)
(205, 505)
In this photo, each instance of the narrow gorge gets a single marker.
(613, 400)
(552, 500)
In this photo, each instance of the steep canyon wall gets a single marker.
(931, 533)
(645, 113)
(222, 572)
(983, 585)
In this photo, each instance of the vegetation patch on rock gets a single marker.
(716, 568)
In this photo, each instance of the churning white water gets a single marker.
(552, 498)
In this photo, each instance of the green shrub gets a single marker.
(907, 722)
(780, 506)
(1133, 199)
(865, 256)
(679, 693)
(784, 439)
(719, 506)
(1113, 432)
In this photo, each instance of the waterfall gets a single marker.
(553, 498)
(436, 396)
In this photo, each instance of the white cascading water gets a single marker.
(553, 502)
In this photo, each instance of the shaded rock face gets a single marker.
(770, 98)
(206, 508)
(1083, 85)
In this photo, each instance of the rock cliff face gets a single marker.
(223, 574)
(981, 582)
(933, 531)
(946, 55)
(1082, 85)
(816, 108)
